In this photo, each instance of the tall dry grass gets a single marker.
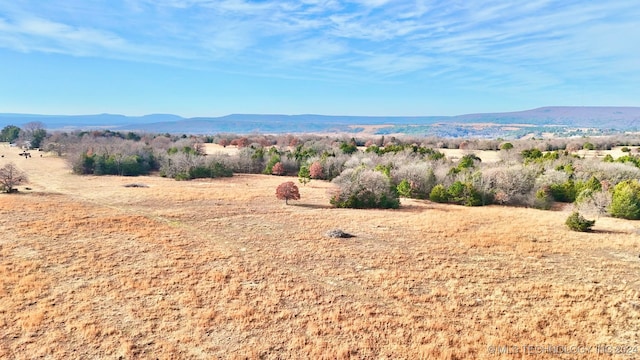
(221, 269)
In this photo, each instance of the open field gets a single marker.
(488, 156)
(221, 269)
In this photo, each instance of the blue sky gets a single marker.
(358, 57)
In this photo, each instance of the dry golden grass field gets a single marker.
(221, 269)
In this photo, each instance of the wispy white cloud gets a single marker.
(37, 34)
(309, 49)
(537, 43)
(371, 3)
(391, 64)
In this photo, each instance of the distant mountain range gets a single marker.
(600, 118)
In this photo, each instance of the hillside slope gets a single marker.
(616, 118)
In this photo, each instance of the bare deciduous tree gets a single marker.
(58, 142)
(32, 134)
(10, 177)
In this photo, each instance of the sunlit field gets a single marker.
(220, 268)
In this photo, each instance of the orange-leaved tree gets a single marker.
(316, 170)
(278, 169)
(287, 191)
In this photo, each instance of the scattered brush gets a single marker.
(337, 233)
(135, 185)
(577, 222)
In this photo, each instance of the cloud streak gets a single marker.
(538, 43)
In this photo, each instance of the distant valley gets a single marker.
(545, 121)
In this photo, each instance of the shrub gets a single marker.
(334, 165)
(612, 172)
(419, 176)
(278, 169)
(511, 185)
(348, 148)
(625, 202)
(506, 146)
(187, 166)
(114, 157)
(466, 162)
(248, 160)
(212, 171)
(455, 192)
(564, 192)
(11, 176)
(362, 188)
(180, 165)
(273, 160)
(439, 194)
(287, 191)
(592, 184)
(531, 154)
(464, 194)
(577, 222)
(632, 159)
(85, 164)
(594, 201)
(385, 169)
(404, 188)
(315, 171)
(303, 175)
(543, 199)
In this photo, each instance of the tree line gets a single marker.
(377, 172)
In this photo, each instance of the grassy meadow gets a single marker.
(220, 268)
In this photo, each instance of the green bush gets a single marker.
(506, 146)
(543, 199)
(564, 192)
(199, 172)
(635, 160)
(304, 175)
(86, 164)
(577, 222)
(455, 192)
(439, 194)
(212, 171)
(348, 148)
(466, 162)
(385, 169)
(273, 160)
(626, 200)
(133, 166)
(404, 188)
(531, 154)
(182, 176)
(464, 194)
(592, 184)
(366, 200)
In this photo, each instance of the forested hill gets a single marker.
(604, 118)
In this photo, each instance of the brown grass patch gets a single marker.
(221, 269)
